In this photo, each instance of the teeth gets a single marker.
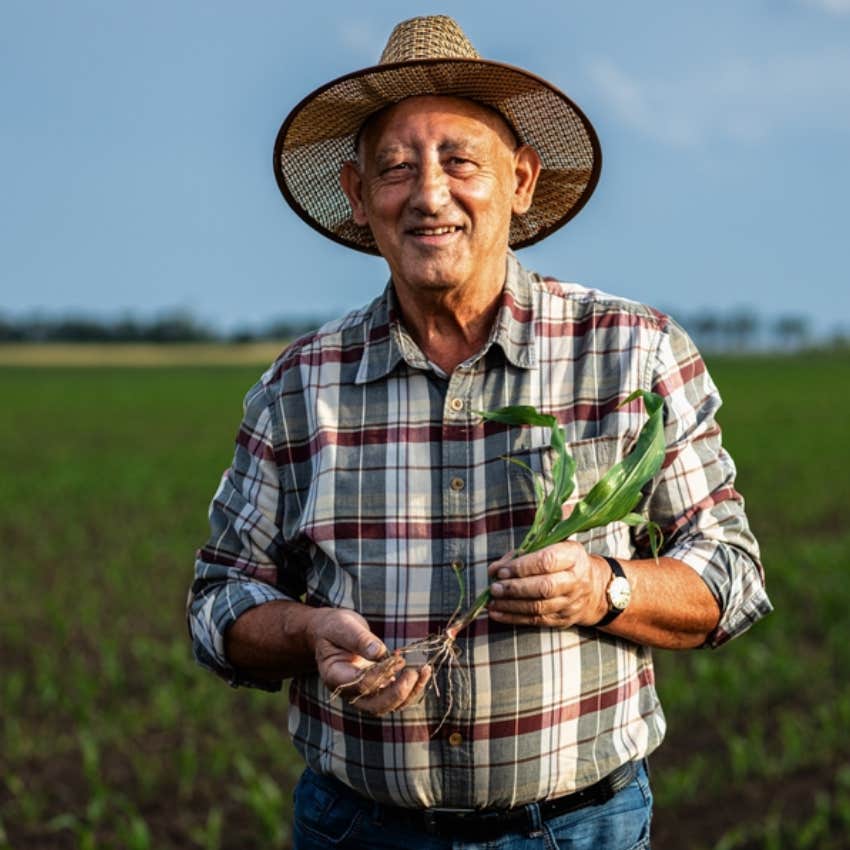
(435, 231)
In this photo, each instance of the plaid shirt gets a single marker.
(363, 477)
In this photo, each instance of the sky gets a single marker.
(136, 144)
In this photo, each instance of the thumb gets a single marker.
(350, 631)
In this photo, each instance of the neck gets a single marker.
(452, 325)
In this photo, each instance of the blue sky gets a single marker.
(136, 139)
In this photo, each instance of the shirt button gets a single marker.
(456, 484)
(455, 739)
(456, 404)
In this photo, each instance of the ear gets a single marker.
(352, 184)
(526, 172)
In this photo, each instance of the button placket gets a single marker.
(456, 456)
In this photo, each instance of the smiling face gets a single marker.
(437, 180)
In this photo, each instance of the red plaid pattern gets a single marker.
(362, 474)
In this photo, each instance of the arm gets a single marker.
(671, 607)
(244, 616)
(282, 639)
(710, 585)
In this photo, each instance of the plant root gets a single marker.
(375, 677)
(439, 651)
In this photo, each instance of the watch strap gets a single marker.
(613, 613)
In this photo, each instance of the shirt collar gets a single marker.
(382, 350)
(387, 342)
(513, 331)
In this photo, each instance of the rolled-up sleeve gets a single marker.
(244, 561)
(694, 498)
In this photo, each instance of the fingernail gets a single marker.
(497, 589)
(373, 651)
(504, 573)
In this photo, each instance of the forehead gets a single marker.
(436, 112)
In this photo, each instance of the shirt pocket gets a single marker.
(594, 457)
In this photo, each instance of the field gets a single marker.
(111, 737)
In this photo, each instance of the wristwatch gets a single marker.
(618, 593)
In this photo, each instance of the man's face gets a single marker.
(437, 181)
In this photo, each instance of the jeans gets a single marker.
(327, 815)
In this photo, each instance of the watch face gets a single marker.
(619, 592)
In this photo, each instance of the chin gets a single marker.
(435, 283)
(436, 277)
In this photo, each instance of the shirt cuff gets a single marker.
(213, 611)
(735, 579)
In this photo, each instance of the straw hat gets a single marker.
(432, 55)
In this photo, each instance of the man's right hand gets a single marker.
(345, 647)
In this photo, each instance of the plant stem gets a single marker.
(477, 607)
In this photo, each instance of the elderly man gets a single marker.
(364, 483)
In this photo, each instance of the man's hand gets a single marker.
(558, 586)
(346, 652)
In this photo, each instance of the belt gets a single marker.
(488, 824)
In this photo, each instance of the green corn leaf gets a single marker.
(633, 519)
(520, 414)
(618, 492)
(563, 469)
(613, 498)
(521, 464)
(656, 538)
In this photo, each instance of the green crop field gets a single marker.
(111, 737)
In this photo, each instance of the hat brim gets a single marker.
(318, 136)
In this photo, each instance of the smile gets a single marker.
(435, 231)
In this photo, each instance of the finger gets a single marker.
(559, 620)
(376, 677)
(494, 568)
(533, 607)
(391, 697)
(348, 630)
(355, 681)
(553, 559)
(547, 586)
(418, 691)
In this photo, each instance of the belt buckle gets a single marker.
(434, 817)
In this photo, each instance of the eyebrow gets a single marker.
(447, 146)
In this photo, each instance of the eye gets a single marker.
(396, 167)
(460, 164)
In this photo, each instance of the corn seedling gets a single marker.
(612, 499)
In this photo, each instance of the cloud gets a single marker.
(744, 100)
(832, 7)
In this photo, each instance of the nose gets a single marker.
(431, 190)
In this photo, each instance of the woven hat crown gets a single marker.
(432, 37)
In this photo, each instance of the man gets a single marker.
(368, 500)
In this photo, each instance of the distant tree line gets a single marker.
(170, 327)
(738, 330)
(743, 330)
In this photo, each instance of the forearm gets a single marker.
(273, 641)
(671, 607)
(282, 639)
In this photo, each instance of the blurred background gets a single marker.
(150, 269)
(137, 138)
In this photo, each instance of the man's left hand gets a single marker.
(559, 586)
